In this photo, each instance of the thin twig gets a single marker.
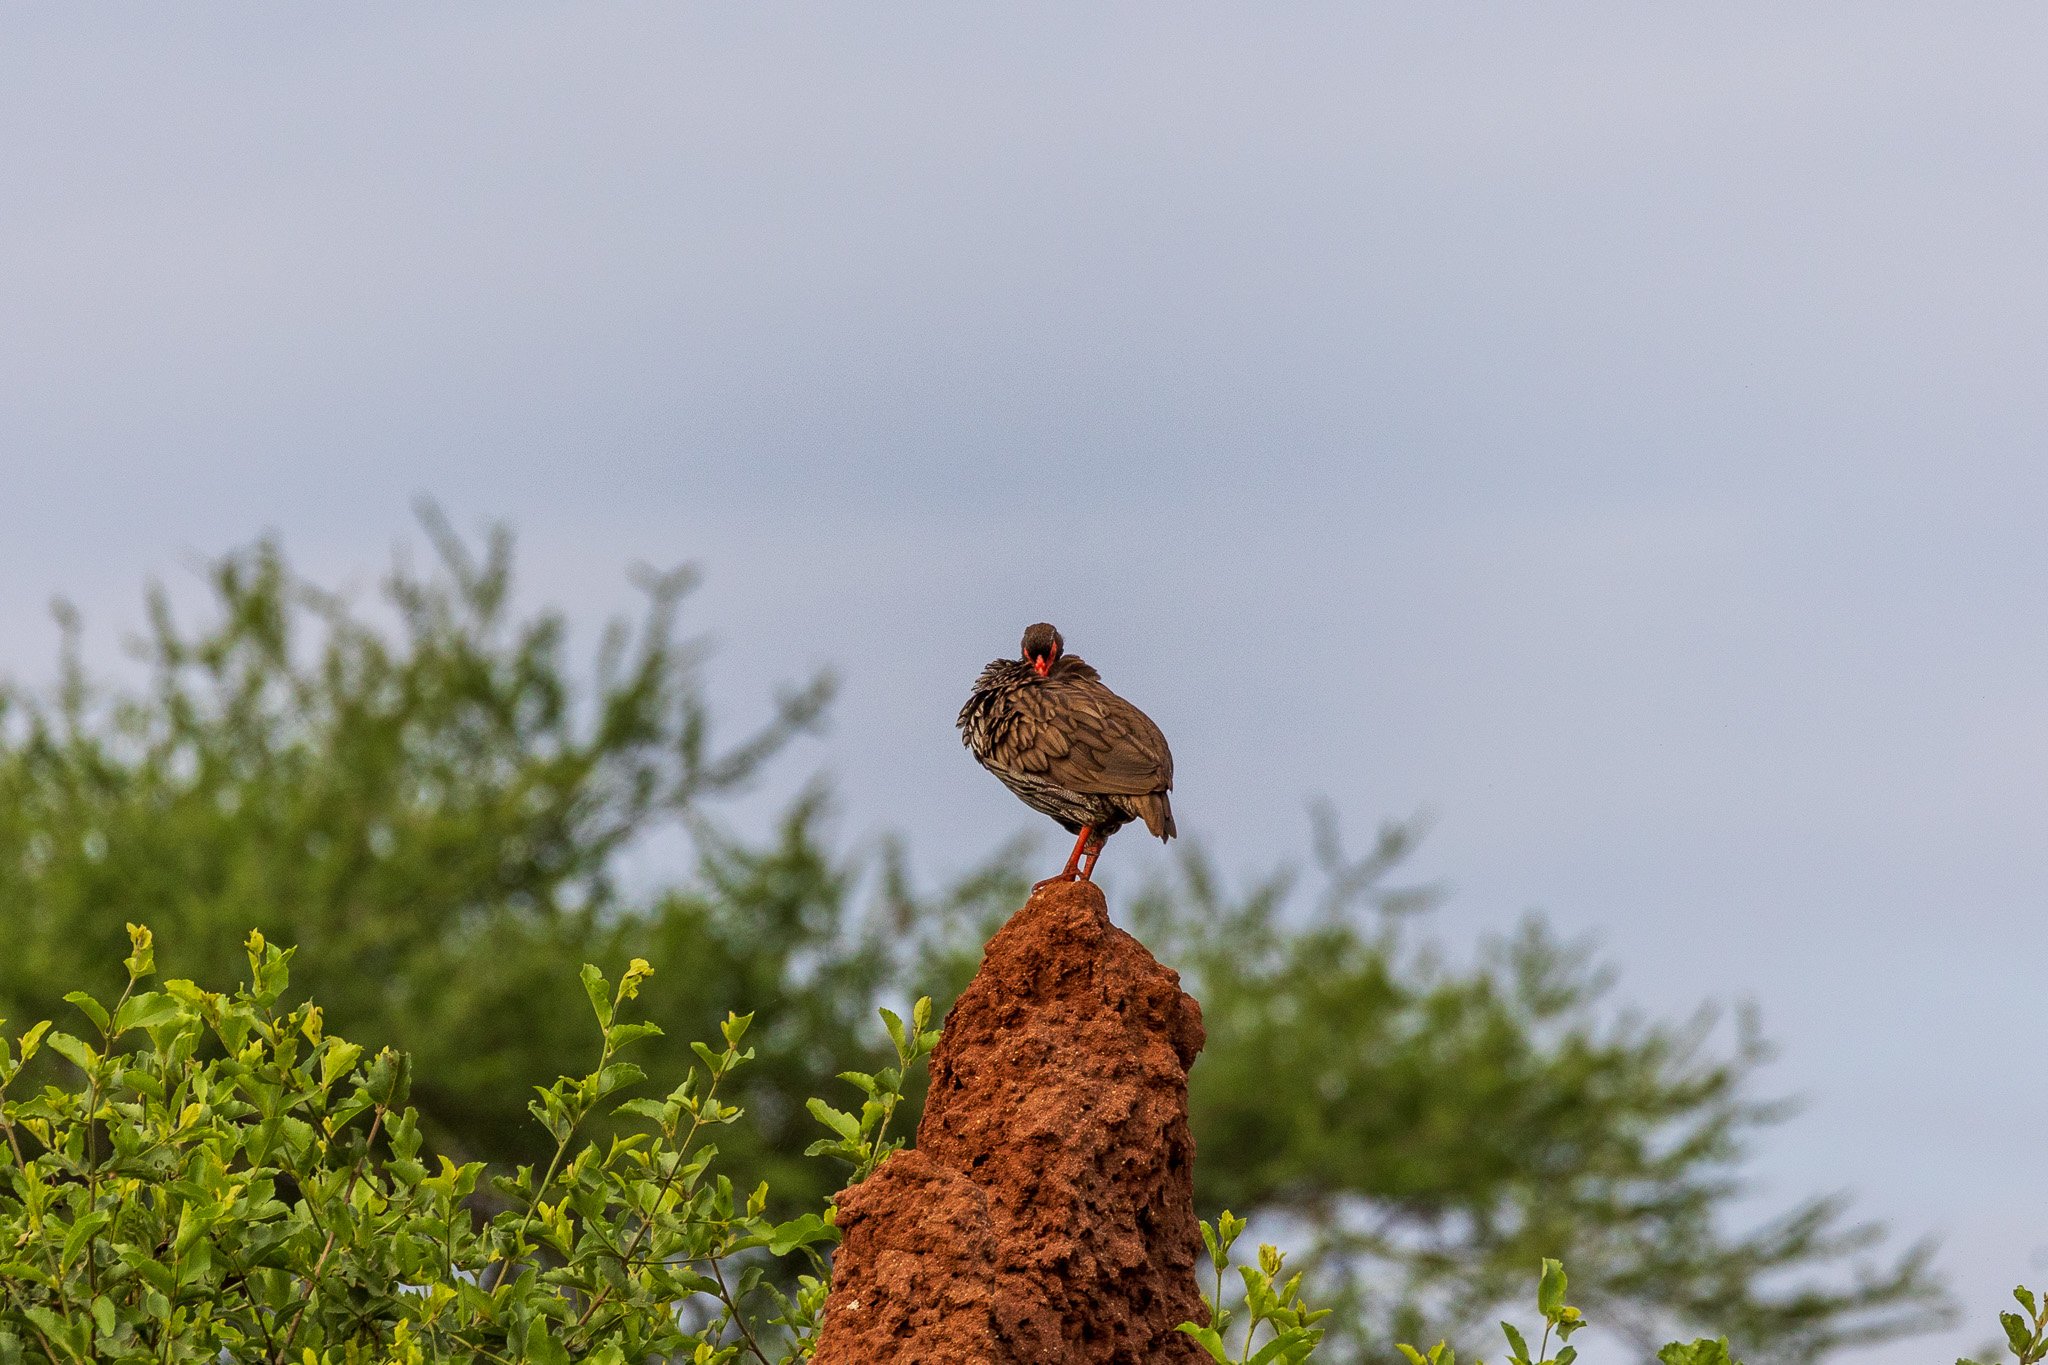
(718, 1274)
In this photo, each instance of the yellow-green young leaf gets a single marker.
(338, 1060)
(2017, 1333)
(1413, 1356)
(32, 1041)
(142, 960)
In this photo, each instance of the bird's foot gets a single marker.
(1070, 875)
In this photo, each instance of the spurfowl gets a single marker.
(1069, 747)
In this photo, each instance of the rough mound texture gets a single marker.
(1047, 1213)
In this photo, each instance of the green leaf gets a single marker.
(803, 1231)
(149, 1010)
(541, 1346)
(894, 1024)
(1519, 1346)
(1210, 1341)
(1550, 1289)
(1289, 1344)
(2017, 1332)
(645, 1108)
(72, 1050)
(94, 1010)
(81, 1232)
(600, 994)
(618, 1076)
(623, 1034)
(840, 1122)
(52, 1326)
(1218, 1257)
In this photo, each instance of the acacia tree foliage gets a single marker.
(434, 811)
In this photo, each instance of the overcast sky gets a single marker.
(1618, 430)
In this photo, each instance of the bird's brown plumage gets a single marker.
(1068, 746)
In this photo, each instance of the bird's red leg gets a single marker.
(1094, 853)
(1069, 872)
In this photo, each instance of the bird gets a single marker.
(1070, 748)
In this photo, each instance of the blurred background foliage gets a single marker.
(434, 799)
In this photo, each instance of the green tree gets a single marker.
(435, 810)
(433, 813)
(1425, 1131)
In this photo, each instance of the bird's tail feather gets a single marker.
(1157, 813)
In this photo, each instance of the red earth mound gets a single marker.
(1047, 1212)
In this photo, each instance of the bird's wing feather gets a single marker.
(1091, 740)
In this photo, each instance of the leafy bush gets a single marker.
(1269, 1302)
(225, 1179)
(2026, 1334)
(228, 1176)
(1291, 1334)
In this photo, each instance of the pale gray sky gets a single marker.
(1616, 429)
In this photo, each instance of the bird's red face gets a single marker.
(1042, 645)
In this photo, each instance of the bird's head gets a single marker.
(1042, 646)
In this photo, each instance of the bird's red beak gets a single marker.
(1042, 664)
